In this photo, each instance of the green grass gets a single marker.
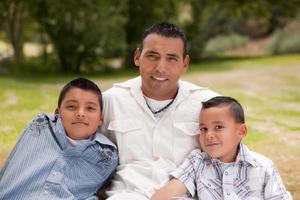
(267, 87)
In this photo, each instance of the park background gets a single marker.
(246, 49)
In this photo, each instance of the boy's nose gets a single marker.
(80, 113)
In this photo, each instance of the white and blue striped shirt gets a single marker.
(43, 166)
(251, 176)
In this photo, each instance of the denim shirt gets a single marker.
(43, 166)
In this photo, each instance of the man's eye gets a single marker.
(152, 57)
(173, 59)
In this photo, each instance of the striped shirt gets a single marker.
(251, 176)
(43, 165)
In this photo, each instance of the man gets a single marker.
(153, 118)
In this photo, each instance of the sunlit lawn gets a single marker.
(268, 88)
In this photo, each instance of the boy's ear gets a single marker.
(100, 123)
(243, 130)
(56, 112)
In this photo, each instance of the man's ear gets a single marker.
(136, 57)
(243, 130)
(186, 62)
(56, 112)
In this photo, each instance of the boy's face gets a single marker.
(220, 134)
(80, 113)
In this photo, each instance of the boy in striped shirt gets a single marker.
(62, 156)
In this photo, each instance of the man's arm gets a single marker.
(174, 188)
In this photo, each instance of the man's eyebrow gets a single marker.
(151, 52)
(173, 55)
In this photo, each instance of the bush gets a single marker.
(223, 43)
(287, 40)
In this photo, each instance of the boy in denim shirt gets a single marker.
(62, 156)
(225, 168)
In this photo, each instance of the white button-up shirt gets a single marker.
(150, 148)
(251, 176)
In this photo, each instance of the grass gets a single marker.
(267, 87)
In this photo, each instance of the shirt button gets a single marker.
(247, 187)
(228, 193)
(55, 173)
(226, 173)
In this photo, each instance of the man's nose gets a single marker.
(161, 66)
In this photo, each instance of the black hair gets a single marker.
(81, 83)
(234, 106)
(167, 30)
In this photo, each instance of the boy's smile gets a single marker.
(80, 113)
(220, 134)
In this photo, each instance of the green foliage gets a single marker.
(287, 40)
(141, 15)
(81, 31)
(255, 18)
(220, 44)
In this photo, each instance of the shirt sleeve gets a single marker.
(186, 172)
(274, 188)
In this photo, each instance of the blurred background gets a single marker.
(100, 35)
(246, 49)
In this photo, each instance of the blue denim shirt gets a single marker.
(43, 166)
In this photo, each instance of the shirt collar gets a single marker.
(243, 156)
(101, 139)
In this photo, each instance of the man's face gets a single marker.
(161, 64)
(80, 113)
(220, 134)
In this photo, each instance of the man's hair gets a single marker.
(167, 30)
(234, 106)
(81, 83)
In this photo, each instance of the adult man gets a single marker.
(153, 118)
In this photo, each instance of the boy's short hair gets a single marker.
(167, 30)
(234, 106)
(81, 83)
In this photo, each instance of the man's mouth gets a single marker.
(159, 78)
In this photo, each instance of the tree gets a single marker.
(213, 17)
(12, 17)
(142, 14)
(81, 31)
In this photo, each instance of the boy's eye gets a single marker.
(71, 107)
(219, 127)
(91, 108)
(203, 130)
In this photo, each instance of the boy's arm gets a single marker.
(174, 188)
(274, 188)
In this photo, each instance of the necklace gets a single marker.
(160, 110)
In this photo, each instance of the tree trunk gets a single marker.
(15, 28)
